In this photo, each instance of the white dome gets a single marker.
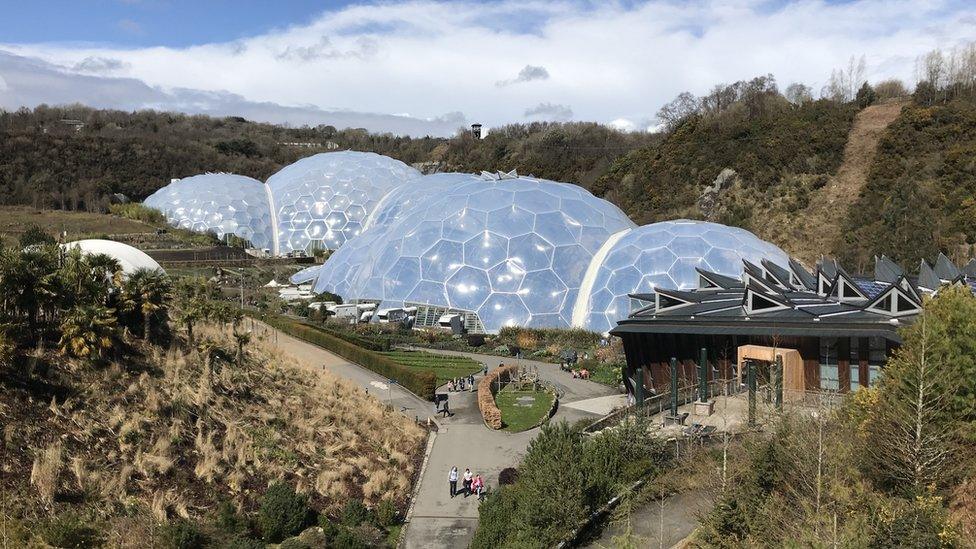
(665, 255)
(511, 249)
(221, 203)
(324, 200)
(131, 259)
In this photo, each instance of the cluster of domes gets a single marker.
(318, 202)
(505, 249)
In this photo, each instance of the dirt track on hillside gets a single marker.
(828, 206)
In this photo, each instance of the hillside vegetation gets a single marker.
(921, 193)
(129, 419)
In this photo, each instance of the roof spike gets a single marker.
(927, 278)
(970, 268)
(887, 270)
(945, 269)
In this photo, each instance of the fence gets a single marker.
(658, 403)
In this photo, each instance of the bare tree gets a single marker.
(799, 94)
(678, 109)
(844, 82)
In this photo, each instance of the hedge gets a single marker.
(486, 396)
(421, 383)
(378, 346)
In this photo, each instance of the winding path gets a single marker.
(435, 519)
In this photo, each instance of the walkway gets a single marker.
(464, 441)
(437, 520)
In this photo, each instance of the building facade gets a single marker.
(831, 331)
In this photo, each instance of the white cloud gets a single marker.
(550, 111)
(527, 74)
(609, 60)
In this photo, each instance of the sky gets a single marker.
(422, 66)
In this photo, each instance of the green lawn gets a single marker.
(519, 415)
(444, 366)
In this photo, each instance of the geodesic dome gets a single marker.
(511, 249)
(218, 202)
(666, 255)
(324, 200)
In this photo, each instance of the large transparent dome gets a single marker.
(666, 255)
(511, 249)
(324, 200)
(220, 203)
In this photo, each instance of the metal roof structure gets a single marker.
(770, 300)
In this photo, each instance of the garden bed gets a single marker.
(445, 367)
(524, 409)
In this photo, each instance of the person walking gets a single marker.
(478, 485)
(445, 410)
(484, 369)
(467, 482)
(452, 480)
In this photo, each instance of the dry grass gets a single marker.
(184, 433)
(15, 219)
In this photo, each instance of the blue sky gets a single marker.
(141, 23)
(438, 65)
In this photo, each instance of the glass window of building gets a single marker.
(829, 380)
(855, 364)
(876, 359)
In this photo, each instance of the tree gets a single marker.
(927, 400)
(673, 113)
(551, 499)
(242, 339)
(34, 235)
(148, 292)
(844, 82)
(193, 304)
(87, 332)
(865, 96)
(799, 94)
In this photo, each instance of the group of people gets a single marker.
(461, 383)
(471, 484)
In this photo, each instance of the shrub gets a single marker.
(347, 539)
(138, 212)
(354, 513)
(866, 96)
(283, 513)
(182, 534)
(69, 530)
(294, 543)
(245, 543)
(386, 513)
(507, 476)
(228, 520)
(422, 383)
(329, 528)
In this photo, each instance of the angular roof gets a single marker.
(771, 300)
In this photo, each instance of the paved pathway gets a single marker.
(462, 440)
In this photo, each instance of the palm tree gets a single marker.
(242, 339)
(28, 283)
(149, 291)
(88, 331)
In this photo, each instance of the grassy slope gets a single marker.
(445, 367)
(15, 219)
(164, 437)
(919, 198)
